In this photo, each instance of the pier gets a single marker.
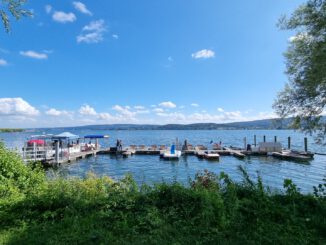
(66, 148)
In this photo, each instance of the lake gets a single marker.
(151, 169)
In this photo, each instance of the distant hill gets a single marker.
(258, 124)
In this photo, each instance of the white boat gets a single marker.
(211, 155)
(172, 153)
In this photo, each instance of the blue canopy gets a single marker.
(66, 135)
(95, 136)
(173, 149)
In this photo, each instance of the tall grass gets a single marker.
(212, 210)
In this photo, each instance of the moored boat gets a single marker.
(172, 153)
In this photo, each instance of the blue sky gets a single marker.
(127, 61)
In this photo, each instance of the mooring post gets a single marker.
(34, 151)
(289, 143)
(264, 138)
(255, 141)
(275, 138)
(245, 142)
(305, 144)
(57, 151)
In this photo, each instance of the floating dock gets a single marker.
(57, 152)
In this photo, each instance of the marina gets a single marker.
(141, 155)
(66, 147)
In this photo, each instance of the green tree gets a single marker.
(304, 96)
(14, 8)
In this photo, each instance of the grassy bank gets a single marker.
(213, 210)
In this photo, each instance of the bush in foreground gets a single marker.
(212, 210)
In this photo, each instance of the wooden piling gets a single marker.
(57, 152)
(255, 141)
(289, 143)
(275, 139)
(264, 138)
(305, 144)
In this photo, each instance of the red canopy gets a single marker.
(37, 142)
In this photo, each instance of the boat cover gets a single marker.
(173, 149)
(36, 141)
(66, 135)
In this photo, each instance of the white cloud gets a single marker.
(62, 17)
(34, 54)
(87, 110)
(115, 36)
(173, 117)
(93, 37)
(93, 32)
(125, 111)
(97, 25)
(104, 116)
(16, 107)
(55, 112)
(48, 8)
(167, 104)
(203, 54)
(142, 112)
(3, 62)
(194, 105)
(220, 109)
(82, 8)
(158, 110)
(139, 107)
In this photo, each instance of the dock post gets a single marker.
(275, 138)
(305, 144)
(34, 151)
(57, 151)
(245, 143)
(264, 138)
(289, 143)
(255, 141)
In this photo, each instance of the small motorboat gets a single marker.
(209, 155)
(172, 153)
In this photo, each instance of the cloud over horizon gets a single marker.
(11, 108)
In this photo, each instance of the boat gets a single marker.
(59, 148)
(172, 153)
(200, 154)
(210, 155)
(290, 156)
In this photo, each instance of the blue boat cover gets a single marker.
(66, 135)
(172, 149)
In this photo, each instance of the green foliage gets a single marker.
(304, 97)
(14, 8)
(16, 178)
(212, 210)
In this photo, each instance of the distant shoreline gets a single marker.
(266, 124)
(10, 130)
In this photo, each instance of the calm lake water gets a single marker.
(151, 169)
